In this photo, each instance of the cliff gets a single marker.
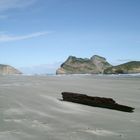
(8, 70)
(126, 68)
(96, 64)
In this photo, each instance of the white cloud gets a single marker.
(7, 38)
(12, 4)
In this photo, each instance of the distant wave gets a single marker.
(100, 75)
(124, 75)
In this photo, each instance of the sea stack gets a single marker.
(73, 65)
(8, 70)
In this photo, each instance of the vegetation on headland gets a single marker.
(129, 67)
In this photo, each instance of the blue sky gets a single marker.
(44, 33)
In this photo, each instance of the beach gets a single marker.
(31, 108)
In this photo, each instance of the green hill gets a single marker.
(126, 68)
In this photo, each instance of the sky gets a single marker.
(37, 34)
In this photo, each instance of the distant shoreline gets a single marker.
(75, 75)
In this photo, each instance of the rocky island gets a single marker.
(73, 65)
(8, 70)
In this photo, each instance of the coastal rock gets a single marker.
(8, 70)
(73, 65)
(126, 68)
(60, 71)
(95, 101)
(100, 63)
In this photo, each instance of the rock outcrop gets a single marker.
(8, 70)
(126, 68)
(95, 65)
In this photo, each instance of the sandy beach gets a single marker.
(30, 108)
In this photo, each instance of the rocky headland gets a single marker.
(126, 68)
(96, 65)
(8, 70)
(73, 65)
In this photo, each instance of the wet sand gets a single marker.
(30, 108)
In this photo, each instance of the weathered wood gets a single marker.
(95, 101)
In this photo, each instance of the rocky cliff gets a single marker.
(126, 68)
(6, 69)
(96, 64)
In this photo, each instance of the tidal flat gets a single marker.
(31, 109)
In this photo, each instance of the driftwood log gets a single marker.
(95, 101)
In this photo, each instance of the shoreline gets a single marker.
(59, 75)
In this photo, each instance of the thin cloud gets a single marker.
(7, 38)
(13, 4)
